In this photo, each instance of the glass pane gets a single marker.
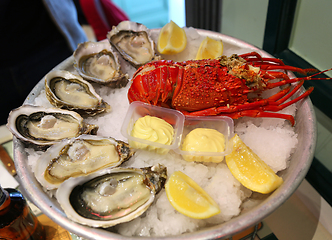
(323, 150)
(153, 14)
(244, 20)
(311, 39)
(312, 33)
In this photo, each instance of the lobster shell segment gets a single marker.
(207, 84)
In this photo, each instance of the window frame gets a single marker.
(278, 29)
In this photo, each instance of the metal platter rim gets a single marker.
(51, 208)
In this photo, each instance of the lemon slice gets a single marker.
(250, 170)
(172, 39)
(188, 198)
(210, 49)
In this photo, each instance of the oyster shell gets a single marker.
(46, 126)
(97, 62)
(79, 156)
(111, 196)
(133, 42)
(69, 91)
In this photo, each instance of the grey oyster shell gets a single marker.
(69, 91)
(133, 42)
(122, 194)
(44, 127)
(98, 62)
(79, 156)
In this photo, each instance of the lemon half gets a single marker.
(188, 198)
(210, 49)
(250, 170)
(172, 39)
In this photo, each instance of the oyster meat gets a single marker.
(46, 126)
(97, 62)
(79, 156)
(69, 91)
(111, 196)
(133, 42)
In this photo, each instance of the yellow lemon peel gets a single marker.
(250, 170)
(172, 39)
(210, 49)
(188, 198)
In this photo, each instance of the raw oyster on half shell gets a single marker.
(46, 126)
(97, 62)
(78, 157)
(69, 91)
(133, 42)
(111, 196)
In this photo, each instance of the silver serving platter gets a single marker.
(299, 165)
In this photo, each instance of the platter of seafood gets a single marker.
(83, 158)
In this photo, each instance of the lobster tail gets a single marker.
(154, 82)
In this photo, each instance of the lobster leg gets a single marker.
(290, 68)
(280, 95)
(256, 57)
(260, 114)
(286, 97)
(259, 108)
(255, 113)
(274, 75)
(287, 81)
(271, 101)
(272, 63)
(262, 111)
(280, 107)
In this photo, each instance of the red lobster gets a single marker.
(219, 86)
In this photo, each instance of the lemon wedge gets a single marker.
(172, 39)
(210, 49)
(250, 170)
(188, 198)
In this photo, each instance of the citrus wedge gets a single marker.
(210, 49)
(172, 39)
(188, 198)
(250, 170)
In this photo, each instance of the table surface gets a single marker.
(304, 216)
